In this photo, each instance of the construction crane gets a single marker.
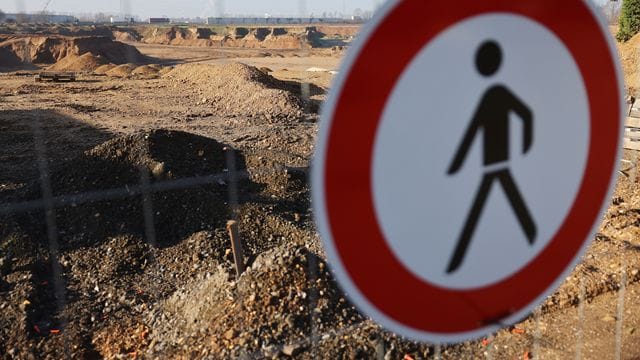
(46, 5)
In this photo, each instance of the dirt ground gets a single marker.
(147, 272)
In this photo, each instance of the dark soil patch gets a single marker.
(121, 165)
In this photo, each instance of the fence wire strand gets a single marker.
(580, 332)
(147, 208)
(620, 310)
(52, 229)
(312, 263)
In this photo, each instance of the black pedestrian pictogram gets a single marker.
(492, 117)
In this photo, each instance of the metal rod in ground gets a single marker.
(236, 246)
(634, 168)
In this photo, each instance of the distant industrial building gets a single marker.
(120, 20)
(159, 21)
(185, 20)
(273, 21)
(38, 18)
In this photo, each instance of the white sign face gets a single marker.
(421, 207)
(463, 164)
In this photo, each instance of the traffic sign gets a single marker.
(466, 154)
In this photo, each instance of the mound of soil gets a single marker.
(268, 38)
(286, 283)
(242, 90)
(9, 55)
(84, 63)
(51, 49)
(125, 36)
(179, 36)
(146, 71)
(165, 70)
(15, 52)
(166, 36)
(338, 30)
(114, 51)
(123, 70)
(103, 69)
(121, 164)
(240, 37)
(630, 58)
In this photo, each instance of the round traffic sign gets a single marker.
(465, 156)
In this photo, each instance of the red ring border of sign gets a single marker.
(344, 205)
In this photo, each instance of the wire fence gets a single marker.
(620, 297)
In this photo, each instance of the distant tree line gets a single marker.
(629, 21)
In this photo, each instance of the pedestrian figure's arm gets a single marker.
(527, 117)
(464, 147)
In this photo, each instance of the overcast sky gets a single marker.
(192, 8)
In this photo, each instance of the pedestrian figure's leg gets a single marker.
(518, 205)
(472, 222)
